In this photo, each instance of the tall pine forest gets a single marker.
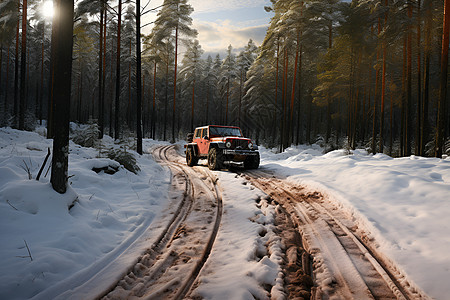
(361, 74)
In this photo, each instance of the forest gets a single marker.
(366, 73)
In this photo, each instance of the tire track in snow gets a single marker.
(171, 265)
(343, 265)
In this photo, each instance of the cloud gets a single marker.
(215, 37)
(203, 6)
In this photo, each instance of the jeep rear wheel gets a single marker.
(214, 159)
(252, 162)
(191, 158)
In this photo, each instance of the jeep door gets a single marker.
(198, 139)
(203, 144)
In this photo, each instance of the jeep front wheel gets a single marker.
(191, 158)
(252, 162)
(214, 159)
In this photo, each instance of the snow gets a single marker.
(104, 231)
(246, 254)
(402, 203)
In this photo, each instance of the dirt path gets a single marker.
(168, 269)
(345, 263)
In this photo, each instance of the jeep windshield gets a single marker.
(224, 131)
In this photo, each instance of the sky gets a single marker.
(224, 23)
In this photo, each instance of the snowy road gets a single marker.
(169, 268)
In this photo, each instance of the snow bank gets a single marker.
(111, 217)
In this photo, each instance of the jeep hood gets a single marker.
(224, 139)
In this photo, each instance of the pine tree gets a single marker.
(190, 70)
(244, 60)
(63, 41)
(174, 17)
(228, 74)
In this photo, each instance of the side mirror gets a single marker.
(206, 137)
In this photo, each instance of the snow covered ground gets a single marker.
(403, 203)
(106, 229)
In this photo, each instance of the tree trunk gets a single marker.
(50, 103)
(328, 126)
(309, 118)
(207, 101)
(117, 102)
(383, 86)
(154, 104)
(299, 139)
(419, 84)
(391, 130)
(111, 101)
(356, 98)
(375, 101)
(16, 72)
(363, 121)
(1, 71)
(409, 85)
(275, 111)
(426, 89)
(36, 95)
(403, 110)
(145, 106)
(128, 111)
(228, 95)
(441, 113)
(104, 69)
(100, 73)
(294, 82)
(41, 93)
(7, 81)
(350, 105)
(166, 102)
(79, 93)
(240, 98)
(192, 108)
(138, 78)
(283, 102)
(63, 73)
(369, 98)
(338, 127)
(330, 44)
(175, 83)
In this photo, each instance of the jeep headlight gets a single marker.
(228, 144)
(250, 145)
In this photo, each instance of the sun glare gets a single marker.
(47, 9)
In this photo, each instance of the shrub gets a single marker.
(86, 135)
(126, 159)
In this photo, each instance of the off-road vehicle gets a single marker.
(221, 145)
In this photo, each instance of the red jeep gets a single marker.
(221, 145)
